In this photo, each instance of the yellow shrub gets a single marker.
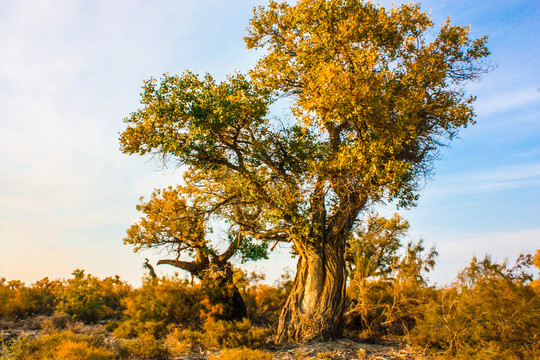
(84, 297)
(180, 342)
(263, 302)
(89, 299)
(60, 345)
(130, 329)
(234, 334)
(69, 350)
(490, 312)
(144, 346)
(55, 323)
(169, 300)
(241, 354)
(45, 295)
(14, 301)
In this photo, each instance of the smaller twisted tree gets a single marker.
(178, 226)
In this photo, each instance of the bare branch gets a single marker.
(190, 266)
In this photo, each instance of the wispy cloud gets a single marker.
(490, 180)
(507, 100)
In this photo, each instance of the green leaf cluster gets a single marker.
(374, 96)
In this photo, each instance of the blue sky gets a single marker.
(71, 70)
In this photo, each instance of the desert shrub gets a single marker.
(184, 341)
(60, 346)
(18, 300)
(388, 284)
(15, 299)
(489, 312)
(242, 354)
(44, 296)
(58, 321)
(30, 323)
(69, 350)
(114, 292)
(84, 297)
(535, 284)
(233, 334)
(89, 299)
(132, 328)
(144, 346)
(170, 300)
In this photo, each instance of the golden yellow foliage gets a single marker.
(241, 354)
(181, 342)
(223, 334)
(64, 345)
(536, 283)
(387, 284)
(489, 312)
(375, 93)
(69, 350)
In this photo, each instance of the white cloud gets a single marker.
(507, 99)
(488, 180)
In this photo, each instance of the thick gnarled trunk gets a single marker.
(314, 309)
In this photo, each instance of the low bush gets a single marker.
(223, 334)
(83, 297)
(69, 350)
(130, 329)
(184, 341)
(489, 312)
(15, 299)
(169, 300)
(89, 299)
(144, 346)
(241, 354)
(263, 302)
(56, 322)
(44, 296)
(59, 346)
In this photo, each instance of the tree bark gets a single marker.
(314, 309)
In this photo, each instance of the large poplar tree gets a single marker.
(375, 93)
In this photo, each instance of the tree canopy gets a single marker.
(374, 96)
(181, 228)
